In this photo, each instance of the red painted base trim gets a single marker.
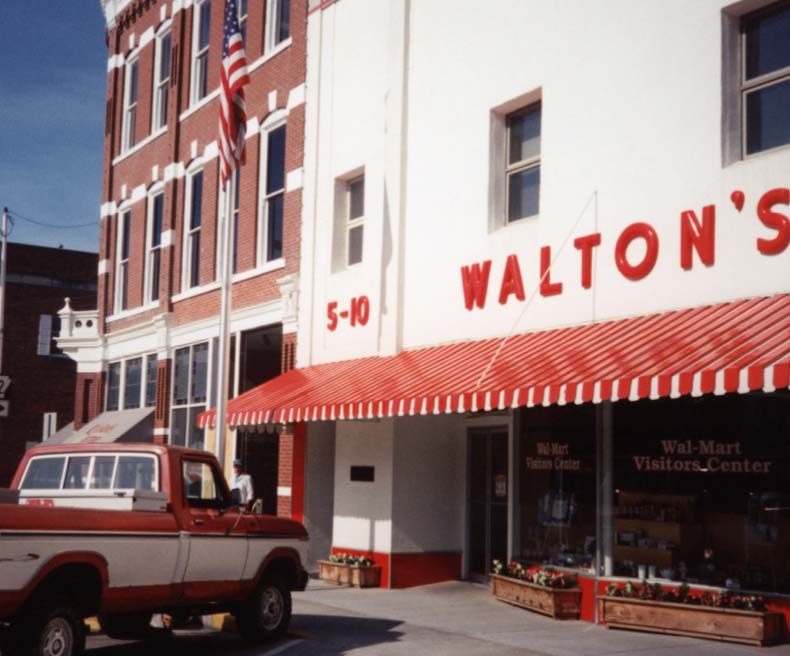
(410, 569)
(380, 559)
(587, 585)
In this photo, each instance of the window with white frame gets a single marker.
(278, 22)
(274, 194)
(522, 168)
(192, 223)
(129, 104)
(355, 219)
(161, 80)
(242, 9)
(151, 376)
(122, 261)
(190, 394)
(153, 246)
(765, 78)
(200, 41)
(130, 383)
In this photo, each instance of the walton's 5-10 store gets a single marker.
(544, 305)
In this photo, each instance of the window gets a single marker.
(114, 386)
(77, 473)
(191, 276)
(101, 474)
(136, 473)
(44, 474)
(242, 7)
(131, 472)
(201, 487)
(132, 383)
(278, 20)
(122, 262)
(765, 83)
(151, 374)
(190, 385)
(523, 163)
(154, 247)
(200, 42)
(48, 332)
(274, 196)
(161, 80)
(355, 218)
(129, 105)
(50, 424)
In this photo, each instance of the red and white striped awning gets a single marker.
(740, 346)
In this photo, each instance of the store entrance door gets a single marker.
(488, 500)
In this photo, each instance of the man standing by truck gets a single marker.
(241, 485)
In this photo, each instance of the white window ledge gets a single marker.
(200, 104)
(269, 55)
(142, 144)
(266, 267)
(195, 291)
(125, 314)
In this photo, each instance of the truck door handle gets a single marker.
(198, 522)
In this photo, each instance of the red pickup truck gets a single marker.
(125, 531)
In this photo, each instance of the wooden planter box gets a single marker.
(358, 577)
(749, 627)
(559, 603)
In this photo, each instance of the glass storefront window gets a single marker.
(557, 490)
(701, 492)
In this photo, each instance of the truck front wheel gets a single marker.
(267, 613)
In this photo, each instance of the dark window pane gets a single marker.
(133, 83)
(195, 440)
(235, 262)
(199, 373)
(132, 387)
(523, 193)
(151, 373)
(156, 228)
(275, 160)
(356, 192)
(77, 473)
(205, 24)
(44, 474)
(101, 478)
(155, 257)
(124, 274)
(197, 200)
(178, 431)
(113, 386)
(274, 242)
(285, 20)
(524, 136)
(768, 117)
(164, 58)
(125, 237)
(355, 245)
(194, 267)
(181, 377)
(135, 472)
(767, 43)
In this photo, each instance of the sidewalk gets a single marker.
(454, 611)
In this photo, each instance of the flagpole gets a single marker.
(223, 352)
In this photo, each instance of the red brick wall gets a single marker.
(88, 397)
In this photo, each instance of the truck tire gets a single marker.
(127, 626)
(53, 629)
(267, 612)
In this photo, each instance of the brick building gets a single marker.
(41, 395)
(152, 339)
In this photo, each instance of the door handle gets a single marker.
(198, 522)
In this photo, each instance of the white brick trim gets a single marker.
(168, 238)
(283, 491)
(104, 266)
(296, 96)
(293, 179)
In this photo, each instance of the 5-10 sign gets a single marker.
(357, 314)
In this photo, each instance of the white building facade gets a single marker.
(479, 173)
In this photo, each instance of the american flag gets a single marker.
(232, 110)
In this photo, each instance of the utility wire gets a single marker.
(44, 224)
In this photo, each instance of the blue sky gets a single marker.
(53, 67)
